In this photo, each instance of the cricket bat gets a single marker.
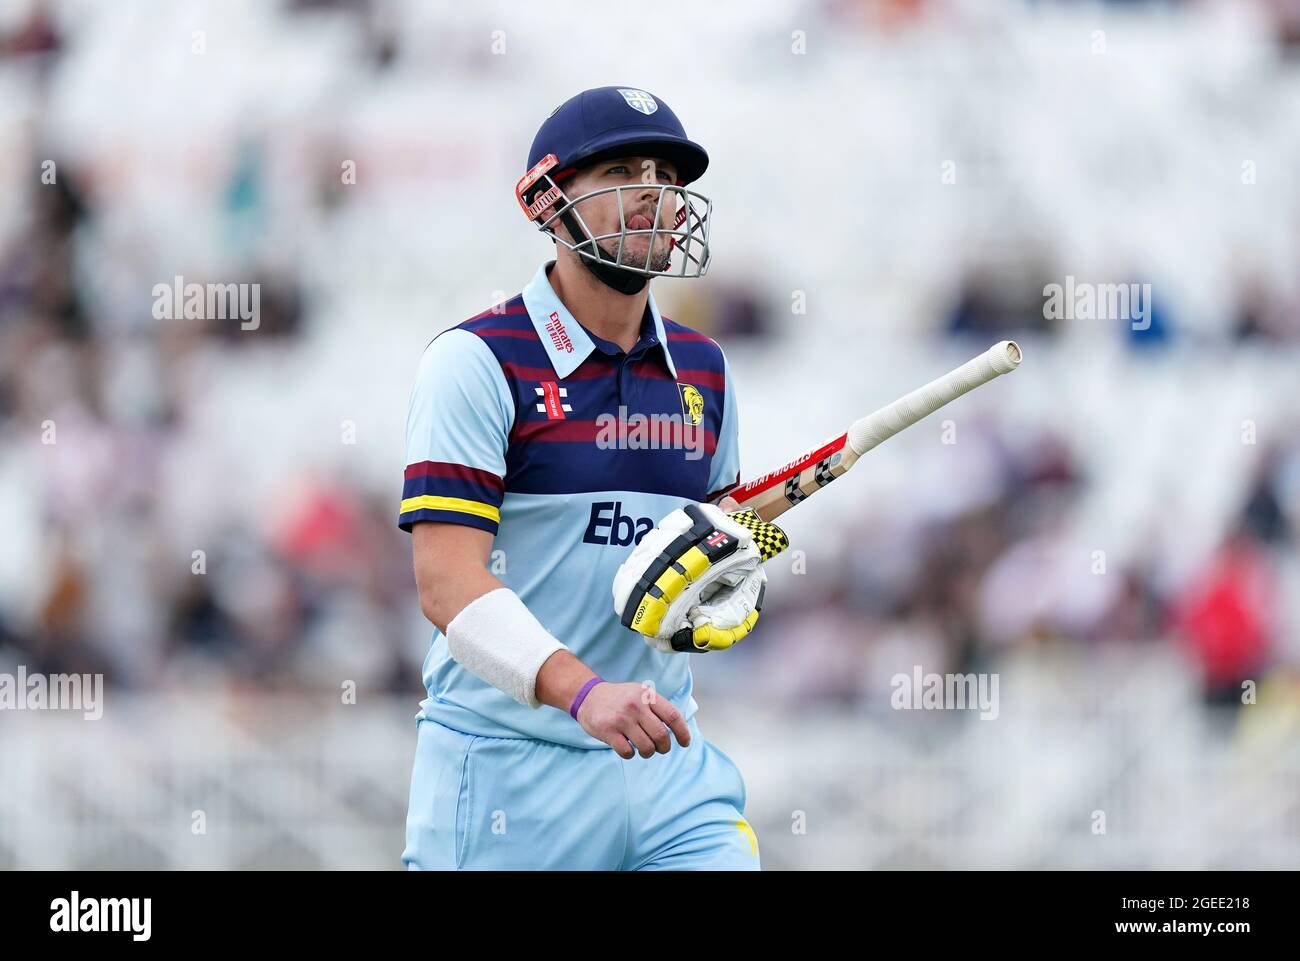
(774, 493)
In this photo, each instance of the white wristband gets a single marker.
(496, 638)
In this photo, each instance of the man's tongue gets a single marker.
(638, 222)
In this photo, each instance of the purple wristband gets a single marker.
(582, 696)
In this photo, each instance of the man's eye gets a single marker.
(619, 169)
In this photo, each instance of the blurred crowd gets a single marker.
(102, 417)
(102, 448)
(128, 551)
(955, 591)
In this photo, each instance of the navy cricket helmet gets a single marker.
(603, 123)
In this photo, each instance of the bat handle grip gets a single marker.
(878, 427)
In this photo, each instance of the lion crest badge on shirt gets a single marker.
(692, 405)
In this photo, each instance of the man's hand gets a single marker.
(695, 582)
(621, 713)
(614, 713)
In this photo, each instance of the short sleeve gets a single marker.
(457, 430)
(724, 472)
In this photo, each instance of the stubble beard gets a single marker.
(650, 260)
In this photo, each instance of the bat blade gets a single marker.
(772, 494)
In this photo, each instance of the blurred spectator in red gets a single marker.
(1226, 616)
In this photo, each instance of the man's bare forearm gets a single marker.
(454, 592)
(450, 568)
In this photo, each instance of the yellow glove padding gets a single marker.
(696, 582)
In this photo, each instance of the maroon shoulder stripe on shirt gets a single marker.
(433, 468)
(588, 371)
(527, 333)
(579, 431)
(515, 311)
(650, 370)
(688, 335)
(566, 429)
(714, 380)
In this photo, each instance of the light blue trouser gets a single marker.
(521, 804)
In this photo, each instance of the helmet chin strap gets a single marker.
(623, 281)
